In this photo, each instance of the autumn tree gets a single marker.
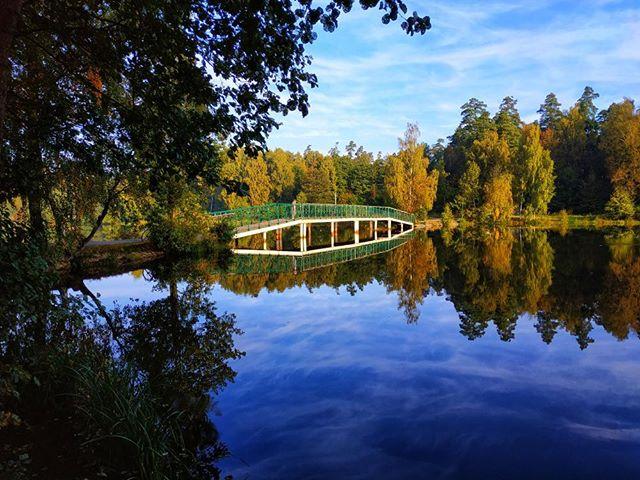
(280, 166)
(492, 154)
(620, 205)
(498, 201)
(250, 173)
(408, 182)
(121, 89)
(533, 172)
(620, 142)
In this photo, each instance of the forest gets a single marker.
(580, 160)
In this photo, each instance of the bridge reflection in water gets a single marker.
(279, 261)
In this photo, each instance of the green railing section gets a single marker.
(279, 211)
(246, 264)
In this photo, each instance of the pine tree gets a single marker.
(550, 112)
(508, 123)
(586, 103)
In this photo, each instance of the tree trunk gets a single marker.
(10, 12)
(111, 196)
(36, 219)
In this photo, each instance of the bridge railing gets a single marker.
(255, 214)
(278, 211)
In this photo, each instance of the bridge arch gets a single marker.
(248, 221)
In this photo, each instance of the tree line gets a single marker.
(579, 159)
(352, 176)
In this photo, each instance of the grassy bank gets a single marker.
(564, 221)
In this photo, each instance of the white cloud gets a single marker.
(374, 79)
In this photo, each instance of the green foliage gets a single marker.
(508, 123)
(533, 173)
(560, 165)
(282, 175)
(550, 112)
(178, 223)
(492, 154)
(620, 205)
(448, 219)
(620, 143)
(26, 278)
(127, 391)
(469, 192)
(319, 181)
(106, 92)
(127, 217)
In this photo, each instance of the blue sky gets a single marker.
(374, 78)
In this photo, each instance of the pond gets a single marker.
(509, 354)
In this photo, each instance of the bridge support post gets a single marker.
(388, 228)
(308, 235)
(333, 234)
(279, 239)
(264, 240)
(375, 229)
(370, 229)
(356, 231)
(303, 237)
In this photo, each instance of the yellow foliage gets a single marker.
(498, 204)
(408, 182)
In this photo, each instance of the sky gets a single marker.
(374, 79)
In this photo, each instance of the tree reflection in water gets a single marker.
(127, 389)
(569, 281)
(566, 282)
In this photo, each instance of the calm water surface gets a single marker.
(510, 354)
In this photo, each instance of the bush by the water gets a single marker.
(620, 205)
(178, 224)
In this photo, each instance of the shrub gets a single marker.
(178, 224)
(448, 220)
(563, 216)
(620, 205)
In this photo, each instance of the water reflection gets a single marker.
(344, 369)
(128, 389)
(570, 282)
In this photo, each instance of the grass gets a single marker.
(563, 220)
